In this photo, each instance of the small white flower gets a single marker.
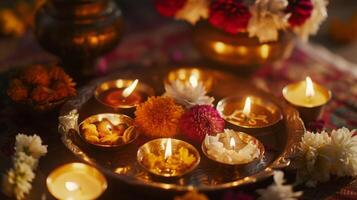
(311, 26)
(193, 11)
(31, 145)
(343, 151)
(313, 165)
(187, 95)
(278, 191)
(26, 159)
(267, 19)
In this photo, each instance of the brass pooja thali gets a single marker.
(279, 140)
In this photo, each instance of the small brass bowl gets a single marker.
(144, 90)
(227, 106)
(245, 138)
(157, 147)
(184, 74)
(130, 134)
(55, 181)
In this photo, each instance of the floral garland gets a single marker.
(28, 150)
(263, 19)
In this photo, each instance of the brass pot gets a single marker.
(79, 31)
(239, 51)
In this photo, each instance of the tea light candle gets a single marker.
(168, 157)
(122, 93)
(76, 181)
(194, 76)
(308, 97)
(232, 148)
(252, 112)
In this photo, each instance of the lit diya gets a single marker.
(122, 93)
(76, 181)
(168, 157)
(194, 76)
(232, 148)
(249, 112)
(108, 131)
(308, 97)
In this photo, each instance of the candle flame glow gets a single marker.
(130, 89)
(232, 143)
(168, 149)
(309, 87)
(246, 109)
(193, 80)
(71, 186)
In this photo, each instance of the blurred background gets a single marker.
(338, 33)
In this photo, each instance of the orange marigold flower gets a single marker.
(37, 75)
(17, 90)
(158, 117)
(41, 94)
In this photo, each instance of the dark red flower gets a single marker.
(229, 15)
(300, 11)
(199, 121)
(169, 8)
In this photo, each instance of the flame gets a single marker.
(71, 186)
(168, 149)
(219, 47)
(246, 109)
(130, 89)
(309, 87)
(264, 51)
(193, 80)
(232, 143)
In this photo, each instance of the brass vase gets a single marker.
(79, 31)
(238, 52)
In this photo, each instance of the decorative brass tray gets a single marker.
(279, 141)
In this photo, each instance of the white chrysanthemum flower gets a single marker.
(313, 165)
(18, 180)
(311, 26)
(22, 157)
(343, 151)
(278, 191)
(187, 95)
(267, 19)
(31, 145)
(193, 11)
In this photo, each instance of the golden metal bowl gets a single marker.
(143, 88)
(156, 146)
(75, 168)
(246, 139)
(130, 134)
(228, 105)
(184, 74)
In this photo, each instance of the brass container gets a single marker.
(239, 51)
(79, 31)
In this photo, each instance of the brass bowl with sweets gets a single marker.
(168, 157)
(108, 131)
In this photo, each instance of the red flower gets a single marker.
(229, 15)
(300, 11)
(199, 121)
(169, 8)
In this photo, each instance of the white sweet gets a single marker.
(219, 148)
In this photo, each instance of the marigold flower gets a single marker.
(158, 117)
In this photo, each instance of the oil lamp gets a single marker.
(308, 97)
(76, 181)
(123, 95)
(250, 112)
(167, 157)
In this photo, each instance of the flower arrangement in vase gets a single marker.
(246, 33)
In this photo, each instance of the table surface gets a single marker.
(159, 41)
